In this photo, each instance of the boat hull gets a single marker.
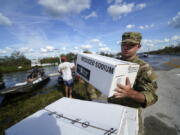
(25, 88)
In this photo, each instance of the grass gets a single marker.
(14, 112)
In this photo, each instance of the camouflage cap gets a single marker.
(132, 37)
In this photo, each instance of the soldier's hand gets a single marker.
(124, 90)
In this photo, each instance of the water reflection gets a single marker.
(157, 61)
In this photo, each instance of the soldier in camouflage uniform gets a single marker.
(142, 94)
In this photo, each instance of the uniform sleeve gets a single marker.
(147, 85)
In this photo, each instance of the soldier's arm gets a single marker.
(123, 91)
(144, 90)
(147, 85)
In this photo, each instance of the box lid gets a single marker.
(106, 59)
(76, 117)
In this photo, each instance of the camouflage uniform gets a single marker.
(145, 82)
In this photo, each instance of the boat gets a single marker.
(145, 55)
(25, 87)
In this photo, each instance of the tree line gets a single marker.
(69, 56)
(16, 62)
(167, 50)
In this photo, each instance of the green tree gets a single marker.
(167, 50)
(87, 51)
(49, 60)
(106, 54)
(11, 63)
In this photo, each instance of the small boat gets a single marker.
(25, 87)
(145, 55)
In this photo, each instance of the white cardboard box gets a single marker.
(76, 117)
(104, 72)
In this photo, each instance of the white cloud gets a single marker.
(141, 27)
(152, 25)
(97, 42)
(109, 1)
(64, 48)
(117, 10)
(5, 20)
(130, 26)
(118, 42)
(43, 50)
(146, 26)
(32, 38)
(118, 1)
(85, 47)
(91, 15)
(76, 48)
(175, 21)
(104, 49)
(146, 41)
(25, 50)
(140, 6)
(47, 49)
(2, 52)
(166, 41)
(50, 48)
(6, 51)
(115, 1)
(63, 7)
(175, 38)
(150, 45)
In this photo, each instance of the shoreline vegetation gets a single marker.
(169, 50)
(16, 62)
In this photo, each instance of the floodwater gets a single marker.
(156, 61)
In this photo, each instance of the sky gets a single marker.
(47, 28)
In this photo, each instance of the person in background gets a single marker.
(66, 69)
(35, 73)
(142, 93)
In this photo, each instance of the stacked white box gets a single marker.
(77, 117)
(104, 72)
